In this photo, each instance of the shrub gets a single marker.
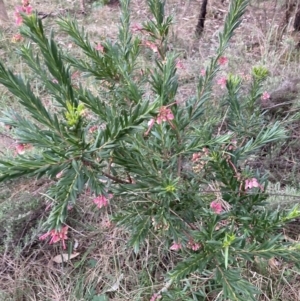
(171, 168)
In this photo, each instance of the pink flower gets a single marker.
(151, 122)
(102, 201)
(223, 60)
(196, 157)
(54, 81)
(99, 47)
(203, 72)
(155, 297)
(27, 9)
(93, 128)
(56, 236)
(165, 114)
(193, 245)
(265, 96)
(216, 207)
(179, 65)
(150, 126)
(175, 246)
(19, 19)
(16, 38)
(222, 82)
(253, 183)
(20, 148)
(151, 45)
(136, 27)
(59, 175)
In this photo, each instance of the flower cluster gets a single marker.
(216, 207)
(56, 236)
(192, 245)
(200, 159)
(175, 246)
(25, 9)
(16, 38)
(253, 183)
(102, 200)
(151, 45)
(164, 114)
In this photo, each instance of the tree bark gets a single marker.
(297, 21)
(201, 19)
(3, 13)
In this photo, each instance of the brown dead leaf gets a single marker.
(274, 263)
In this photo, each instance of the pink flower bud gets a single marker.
(59, 175)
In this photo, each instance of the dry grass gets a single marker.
(106, 266)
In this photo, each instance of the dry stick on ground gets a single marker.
(3, 13)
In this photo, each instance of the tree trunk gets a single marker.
(201, 19)
(297, 21)
(3, 13)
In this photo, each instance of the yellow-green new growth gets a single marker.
(170, 188)
(294, 213)
(228, 240)
(73, 113)
(260, 72)
(234, 80)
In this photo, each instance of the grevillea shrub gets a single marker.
(174, 169)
